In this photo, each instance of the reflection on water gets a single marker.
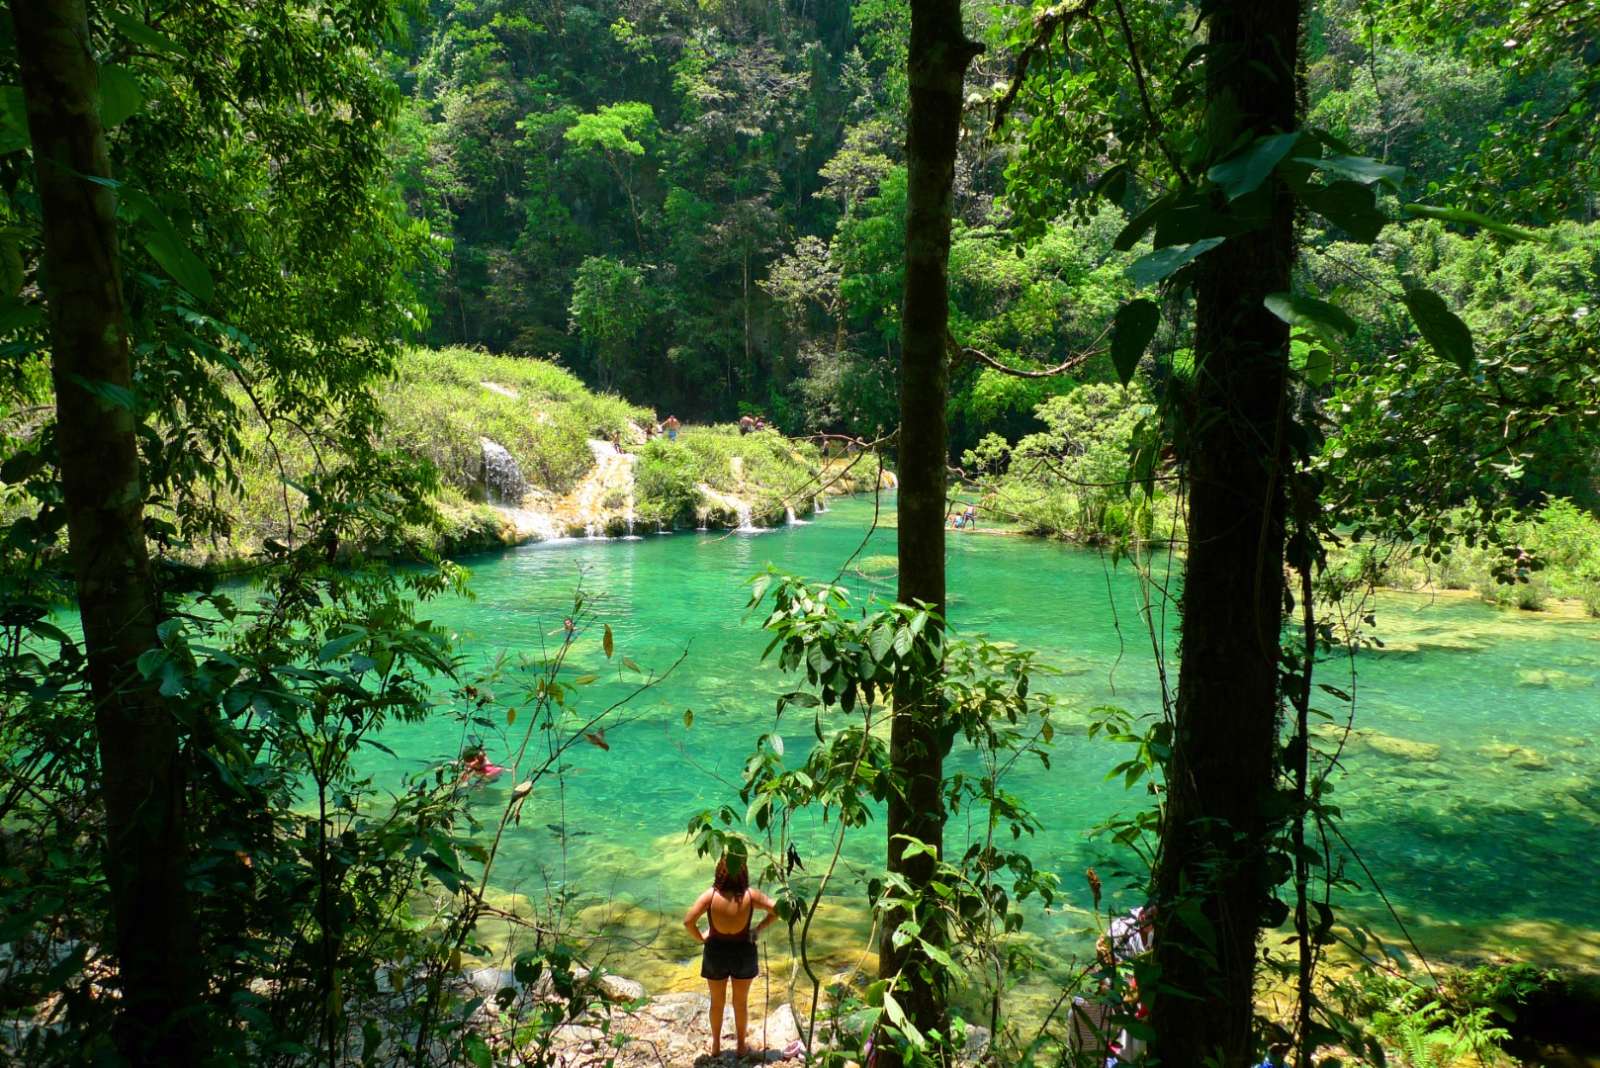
(1475, 796)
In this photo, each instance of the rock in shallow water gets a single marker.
(1400, 748)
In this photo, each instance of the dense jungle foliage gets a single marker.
(1308, 291)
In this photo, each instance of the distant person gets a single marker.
(671, 427)
(746, 424)
(760, 424)
(475, 766)
(966, 519)
(730, 943)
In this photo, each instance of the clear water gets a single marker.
(1476, 854)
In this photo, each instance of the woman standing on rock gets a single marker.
(730, 942)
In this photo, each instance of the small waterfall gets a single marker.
(604, 502)
(790, 519)
(746, 516)
(501, 477)
(820, 504)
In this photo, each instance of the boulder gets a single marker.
(977, 1044)
(487, 982)
(619, 989)
(1401, 748)
(781, 1028)
(573, 1034)
(682, 1009)
(1518, 756)
(1552, 679)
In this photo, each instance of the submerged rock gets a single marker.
(1400, 748)
(1518, 756)
(1552, 679)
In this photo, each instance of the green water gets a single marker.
(1474, 852)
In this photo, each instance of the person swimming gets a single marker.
(730, 943)
(476, 767)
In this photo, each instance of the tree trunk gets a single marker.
(142, 783)
(1210, 875)
(938, 58)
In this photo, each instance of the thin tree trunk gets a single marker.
(1210, 876)
(938, 57)
(142, 781)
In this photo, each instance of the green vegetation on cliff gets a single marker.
(450, 411)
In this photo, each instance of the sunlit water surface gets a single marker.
(1476, 853)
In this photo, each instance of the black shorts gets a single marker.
(727, 959)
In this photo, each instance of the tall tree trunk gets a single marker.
(1210, 876)
(938, 58)
(142, 783)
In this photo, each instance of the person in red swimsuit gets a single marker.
(730, 943)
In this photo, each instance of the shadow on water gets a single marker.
(1512, 872)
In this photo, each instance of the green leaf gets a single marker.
(160, 238)
(688, 718)
(120, 95)
(16, 316)
(13, 120)
(1470, 218)
(477, 1050)
(113, 395)
(938, 956)
(1244, 171)
(1326, 320)
(879, 642)
(1141, 223)
(140, 34)
(1135, 324)
(1362, 169)
(897, 1016)
(340, 645)
(187, 269)
(1152, 268)
(1351, 206)
(1447, 334)
(1319, 366)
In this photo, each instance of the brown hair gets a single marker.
(733, 878)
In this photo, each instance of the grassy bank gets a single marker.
(1561, 543)
(442, 406)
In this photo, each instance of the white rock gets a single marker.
(681, 1009)
(619, 989)
(977, 1043)
(781, 1028)
(575, 1034)
(490, 981)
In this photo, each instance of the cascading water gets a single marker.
(500, 475)
(820, 504)
(594, 501)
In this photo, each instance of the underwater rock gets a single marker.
(1552, 679)
(1518, 756)
(1400, 748)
